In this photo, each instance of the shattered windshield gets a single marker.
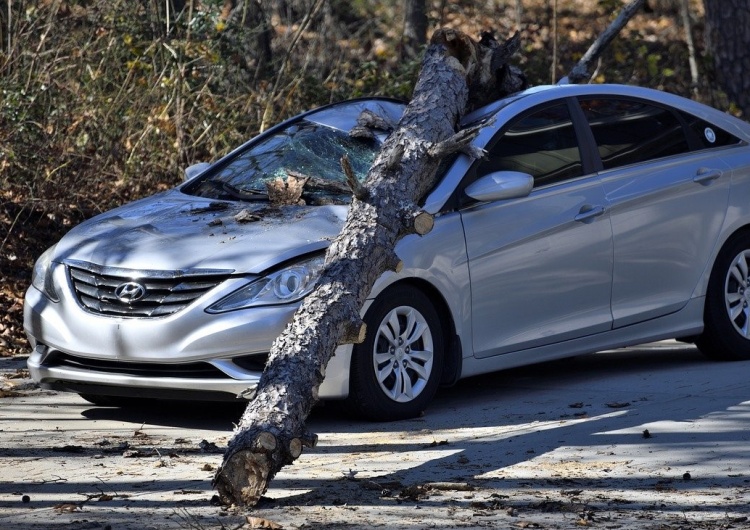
(306, 150)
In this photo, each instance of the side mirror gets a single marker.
(195, 170)
(501, 185)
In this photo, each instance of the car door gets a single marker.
(667, 204)
(540, 265)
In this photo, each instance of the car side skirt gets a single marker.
(686, 322)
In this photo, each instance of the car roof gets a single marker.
(542, 93)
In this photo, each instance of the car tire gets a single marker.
(726, 335)
(396, 371)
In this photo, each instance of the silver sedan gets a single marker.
(602, 216)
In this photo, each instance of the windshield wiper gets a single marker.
(238, 193)
(244, 194)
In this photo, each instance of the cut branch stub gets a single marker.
(266, 440)
(458, 142)
(295, 448)
(394, 263)
(368, 122)
(354, 332)
(358, 190)
(354, 328)
(417, 221)
(394, 157)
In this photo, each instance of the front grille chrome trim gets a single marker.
(167, 292)
(135, 274)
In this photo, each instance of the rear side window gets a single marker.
(707, 135)
(542, 144)
(629, 131)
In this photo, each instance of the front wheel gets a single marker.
(727, 314)
(396, 371)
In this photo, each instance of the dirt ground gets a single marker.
(647, 438)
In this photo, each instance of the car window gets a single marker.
(707, 135)
(542, 144)
(631, 131)
(305, 148)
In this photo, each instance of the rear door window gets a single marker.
(632, 131)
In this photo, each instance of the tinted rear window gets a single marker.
(708, 135)
(629, 131)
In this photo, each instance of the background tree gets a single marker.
(728, 44)
(415, 28)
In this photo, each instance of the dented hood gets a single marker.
(174, 231)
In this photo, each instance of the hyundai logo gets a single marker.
(130, 292)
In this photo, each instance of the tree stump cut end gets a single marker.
(243, 478)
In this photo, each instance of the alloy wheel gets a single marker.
(737, 293)
(403, 354)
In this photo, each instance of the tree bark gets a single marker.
(728, 43)
(271, 432)
(580, 71)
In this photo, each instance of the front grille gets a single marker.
(197, 370)
(165, 292)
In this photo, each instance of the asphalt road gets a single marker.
(644, 438)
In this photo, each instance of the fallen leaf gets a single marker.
(259, 522)
(67, 507)
(246, 216)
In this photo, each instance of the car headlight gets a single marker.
(41, 276)
(289, 284)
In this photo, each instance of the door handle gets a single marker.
(588, 212)
(706, 175)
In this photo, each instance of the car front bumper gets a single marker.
(187, 355)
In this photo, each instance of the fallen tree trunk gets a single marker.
(457, 73)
